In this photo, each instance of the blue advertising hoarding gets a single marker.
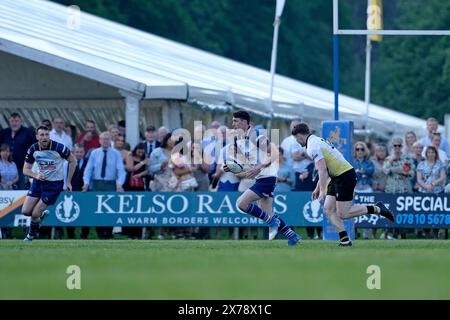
(413, 210)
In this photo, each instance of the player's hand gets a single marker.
(69, 187)
(253, 172)
(321, 197)
(40, 177)
(315, 194)
(226, 169)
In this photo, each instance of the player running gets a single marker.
(48, 181)
(264, 169)
(330, 163)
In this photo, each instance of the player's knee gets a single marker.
(329, 210)
(26, 213)
(242, 204)
(342, 215)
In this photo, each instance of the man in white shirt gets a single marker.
(295, 156)
(59, 135)
(436, 141)
(432, 126)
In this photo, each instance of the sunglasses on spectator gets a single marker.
(360, 149)
(397, 145)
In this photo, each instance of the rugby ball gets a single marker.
(234, 166)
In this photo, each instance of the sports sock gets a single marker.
(256, 211)
(34, 227)
(344, 237)
(284, 229)
(371, 209)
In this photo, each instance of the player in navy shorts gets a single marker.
(262, 156)
(48, 182)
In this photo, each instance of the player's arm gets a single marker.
(28, 172)
(319, 192)
(72, 165)
(272, 150)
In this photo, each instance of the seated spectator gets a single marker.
(379, 177)
(8, 169)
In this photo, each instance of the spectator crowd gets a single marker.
(105, 162)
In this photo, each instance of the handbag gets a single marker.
(136, 182)
(188, 184)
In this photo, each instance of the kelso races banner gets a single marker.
(216, 209)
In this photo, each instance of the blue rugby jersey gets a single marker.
(50, 160)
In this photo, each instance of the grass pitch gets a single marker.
(209, 269)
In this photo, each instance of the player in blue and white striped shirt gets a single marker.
(49, 180)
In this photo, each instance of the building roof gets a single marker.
(158, 68)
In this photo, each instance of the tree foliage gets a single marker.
(408, 74)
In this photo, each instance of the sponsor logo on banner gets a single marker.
(67, 211)
(312, 211)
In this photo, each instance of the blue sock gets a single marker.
(256, 211)
(284, 229)
(34, 227)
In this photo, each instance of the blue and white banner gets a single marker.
(216, 209)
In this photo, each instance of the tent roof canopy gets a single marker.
(157, 68)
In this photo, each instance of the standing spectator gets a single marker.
(164, 180)
(122, 127)
(410, 139)
(71, 131)
(285, 176)
(295, 156)
(417, 158)
(136, 166)
(200, 171)
(8, 169)
(59, 135)
(115, 132)
(162, 133)
(89, 137)
(9, 177)
(432, 126)
(77, 184)
(120, 146)
(371, 147)
(47, 123)
(431, 177)
(436, 142)
(400, 170)
(19, 139)
(379, 176)
(150, 144)
(364, 169)
(104, 172)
